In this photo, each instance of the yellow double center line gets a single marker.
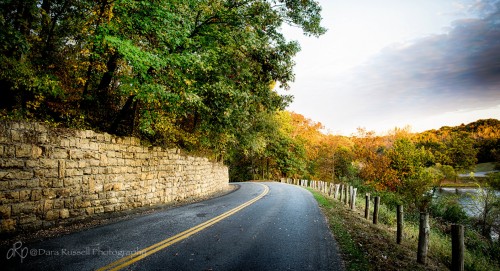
(139, 255)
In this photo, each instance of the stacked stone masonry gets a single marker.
(52, 176)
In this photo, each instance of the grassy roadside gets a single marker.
(365, 246)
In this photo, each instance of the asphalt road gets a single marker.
(260, 226)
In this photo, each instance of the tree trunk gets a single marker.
(126, 113)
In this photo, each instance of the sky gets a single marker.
(391, 63)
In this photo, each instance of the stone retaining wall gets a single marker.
(52, 176)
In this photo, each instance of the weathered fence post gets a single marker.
(351, 193)
(423, 238)
(346, 195)
(375, 210)
(341, 191)
(399, 232)
(337, 187)
(457, 247)
(367, 206)
(353, 200)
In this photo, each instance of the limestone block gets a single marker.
(109, 208)
(64, 213)
(52, 214)
(83, 163)
(63, 193)
(93, 146)
(83, 143)
(68, 203)
(89, 211)
(61, 168)
(84, 204)
(103, 161)
(5, 211)
(16, 174)
(98, 209)
(22, 208)
(58, 153)
(17, 184)
(72, 163)
(8, 151)
(57, 183)
(77, 154)
(49, 193)
(24, 151)
(36, 194)
(24, 195)
(58, 203)
(8, 225)
(74, 172)
(27, 219)
(79, 213)
(11, 163)
(65, 142)
(33, 183)
(36, 152)
(45, 182)
(44, 163)
(48, 205)
(9, 196)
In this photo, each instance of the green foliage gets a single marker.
(186, 73)
(493, 180)
(448, 208)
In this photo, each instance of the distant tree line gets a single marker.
(293, 146)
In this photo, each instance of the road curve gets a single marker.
(260, 226)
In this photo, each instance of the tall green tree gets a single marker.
(178, 72)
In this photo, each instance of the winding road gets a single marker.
(260, 226)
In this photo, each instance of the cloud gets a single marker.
(439, 73)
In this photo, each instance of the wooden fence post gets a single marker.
(457, 247)
(367, 206)
(423, 238)
(351, 192)
(341, 191)
(337, 187)
(399, 232)
(375, 210)
(346, 195)
(353, 200)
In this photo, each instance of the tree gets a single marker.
(374, 165)
(186, 73)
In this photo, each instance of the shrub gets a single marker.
(448, 208)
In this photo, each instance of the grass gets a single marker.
(366, 246)
(352, 255)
